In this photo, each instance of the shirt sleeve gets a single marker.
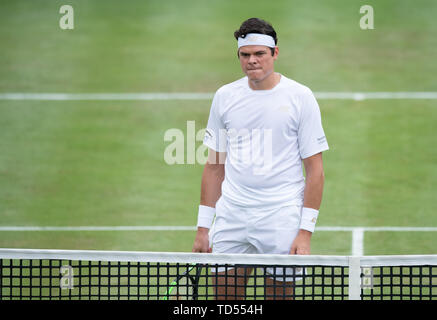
(215, 133)
(311, 136)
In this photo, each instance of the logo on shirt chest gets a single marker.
(284, 109)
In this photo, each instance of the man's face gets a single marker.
(257, 61)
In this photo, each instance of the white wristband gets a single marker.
(308, 219)
(205, 216)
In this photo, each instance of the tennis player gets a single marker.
(254, 196)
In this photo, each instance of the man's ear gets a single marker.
(275, 55)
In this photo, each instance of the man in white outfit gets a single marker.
(260, 130)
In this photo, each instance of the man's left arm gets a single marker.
(312, 199)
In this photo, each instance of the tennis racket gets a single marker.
(185, 286)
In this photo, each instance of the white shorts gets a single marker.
(255, 231)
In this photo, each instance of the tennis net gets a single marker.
(118, 275)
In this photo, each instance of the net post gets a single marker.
(354, 278)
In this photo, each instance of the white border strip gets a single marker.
(398, 260)
(193, 228)
(173, 257)
(357, 96)
(211, 258)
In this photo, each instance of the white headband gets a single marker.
(256, 39)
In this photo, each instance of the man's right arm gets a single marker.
(212, 178)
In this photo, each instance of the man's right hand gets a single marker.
(201, 242)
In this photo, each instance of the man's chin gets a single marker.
(253, 77)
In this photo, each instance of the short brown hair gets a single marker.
(256, 25)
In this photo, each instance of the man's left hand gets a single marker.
(302, 243)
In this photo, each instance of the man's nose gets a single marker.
(253, 59)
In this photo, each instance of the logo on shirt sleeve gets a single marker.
(208, 134)
(321, 140)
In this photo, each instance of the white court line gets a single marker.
(105, 96)
(378, 229)
(358, 242)
(358, 96)
(98, 228)
(193, 228)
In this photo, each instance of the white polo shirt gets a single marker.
(266, 134)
